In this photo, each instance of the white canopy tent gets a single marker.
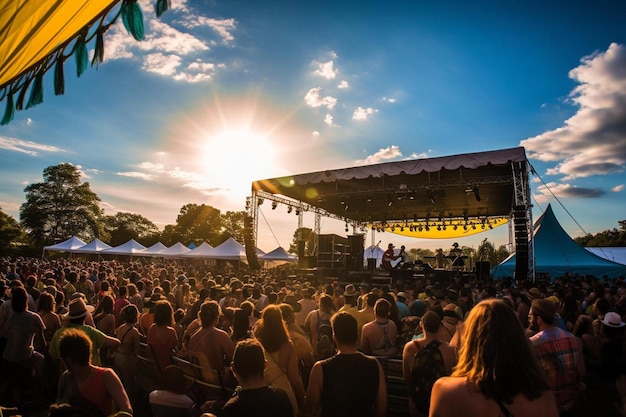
(132, 247)
(175, 250)
(68, 245)
(95, 246)
(202, 251)
(155, 250)
(615, 254)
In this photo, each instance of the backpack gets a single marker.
(428, 367)
(324, 346)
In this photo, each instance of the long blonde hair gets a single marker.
(496, 356)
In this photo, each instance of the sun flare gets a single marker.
(241, 155)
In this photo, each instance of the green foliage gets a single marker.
(10, 233)
(303, 234)
(200, 223)
(61, 207)
(607, 238)
(232, 225)
(125, 226)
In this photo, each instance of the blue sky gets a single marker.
(222, 93)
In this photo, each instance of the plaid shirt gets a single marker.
(561, 356)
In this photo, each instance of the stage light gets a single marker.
(260, 201)
(289, 209)
(490, 226)
(474, 227)
(346, 228)
(455, 227)
(274, 205)
(439, 228)
(420, 228)
(297, 212)
(465, 227)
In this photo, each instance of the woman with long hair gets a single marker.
(45, 308)
(126, 356)
(241, 326)
(282, 368)
(497, 373)
(103, 316)
(162, 336)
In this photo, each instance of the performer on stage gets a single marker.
(457, 258)
(388, 256)
(405, 261)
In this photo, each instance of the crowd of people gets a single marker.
(70, 332)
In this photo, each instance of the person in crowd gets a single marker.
(388, 256)
(93, 389)
(403, 308)
(162, 336)
(210, 346)
(241, 326)
(77, 311)
(316, 317)
(560, 354)
(349, 383)
(121, 301)
(22, 365)
(430, 324)
(256, 397)
(282, 368)
(379, 336)
(304, 350)
(308, 304)
(604, 352)
(451, 318)
(125, 360)
(52, 321)
(497, 373)
(103, 316)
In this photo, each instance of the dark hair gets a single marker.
(163, 314)
(209, 313)
(382, 308)
(76, 345)
(326, 303)
(19, 299)
(46, 302)
(241, 324)
(248, 359)
(431, 322)
(344, 328)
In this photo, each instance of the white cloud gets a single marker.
(618, 188)
(389, 99)
(593, 140)
(326, 69)
(26, 146)
(313, 98)
(328, 119)
(177, 49)
(363, 113)
(134, 174)
(315, 133)
(382, 155)
(149, 166)
(343, 84)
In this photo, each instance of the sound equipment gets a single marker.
(355, 252)
(248, 238)
(371, 264)
(520, 227)
(482, 269)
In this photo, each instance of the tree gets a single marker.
(613, 237)
(125, 226)
(306, 235)
(10, 232)
(232, 226)
(200, 223)
(61, 207)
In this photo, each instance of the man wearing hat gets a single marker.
(76, 320)
(560, 354)
(403, 308)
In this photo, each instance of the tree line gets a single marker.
(63, 206)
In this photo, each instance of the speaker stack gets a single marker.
(520, 227)
(248, 238)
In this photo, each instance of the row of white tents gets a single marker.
(230, 250)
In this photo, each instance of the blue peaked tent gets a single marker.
(556, 254)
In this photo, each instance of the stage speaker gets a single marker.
(248, 237)
(355, 257)
(482, 269)
(300, 253)
(520, 227)
(371, 264)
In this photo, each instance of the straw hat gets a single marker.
(612, 319)
(78, 309)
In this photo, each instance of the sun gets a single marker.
(241, 156)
